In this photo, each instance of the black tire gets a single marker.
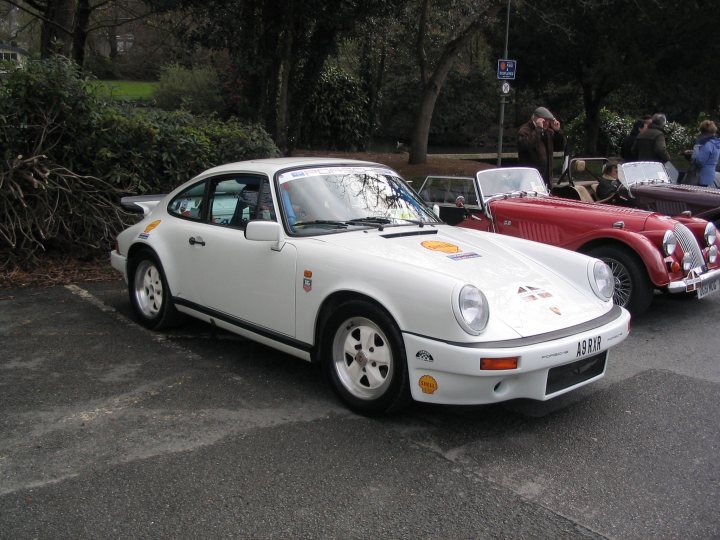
(149, 293)
(364, 357)
(633, 289)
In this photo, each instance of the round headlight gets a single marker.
(471, 309)
(710, 234)
(712, 254)
(603, 281)
(669, 242)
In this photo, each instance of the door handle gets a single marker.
(197, 240)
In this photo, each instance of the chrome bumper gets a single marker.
(694, 281)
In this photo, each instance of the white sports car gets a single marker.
(340, 262)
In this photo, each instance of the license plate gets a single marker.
(709, 287)
(588, 346)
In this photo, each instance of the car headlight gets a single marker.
(710, 234)
(602, 281)
(471, 309)
(712, 254)
(669, 242)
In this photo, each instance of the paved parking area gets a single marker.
(111, 431)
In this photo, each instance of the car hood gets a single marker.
(523, 293)
(558, 210)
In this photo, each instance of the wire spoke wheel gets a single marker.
(623, 283)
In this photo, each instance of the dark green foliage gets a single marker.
(50, 108)
(335, 117)
(52, 115)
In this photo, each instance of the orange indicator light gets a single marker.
(499, 363)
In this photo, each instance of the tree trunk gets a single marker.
(283, 105)
(431, 88)
(80, 31)
(592, 100)
(56, 31)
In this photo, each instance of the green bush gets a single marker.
(197, 90)
(335, 118)
(614, 128)
(48, 107)
(152, 151)
(51, 110)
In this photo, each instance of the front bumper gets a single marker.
(450, 373)
(119, 263)
(695, 281)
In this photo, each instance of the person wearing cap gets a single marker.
(650, 144)
(538, 139)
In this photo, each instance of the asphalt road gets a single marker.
(111, 431)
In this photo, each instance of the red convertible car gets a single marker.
(646, 251)
(643, 184)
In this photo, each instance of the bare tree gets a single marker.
(66, 24)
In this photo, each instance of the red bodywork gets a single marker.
(581, 226)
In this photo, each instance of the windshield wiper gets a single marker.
(414, 221)
(338, 224)
(370, 220)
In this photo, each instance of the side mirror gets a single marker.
(436, 210)
(264, 231)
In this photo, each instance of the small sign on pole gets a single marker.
(506, 88)
(506, 69)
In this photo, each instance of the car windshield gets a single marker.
(508, 181)
(643, 172)
(331, 199)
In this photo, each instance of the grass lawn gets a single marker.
(130, 90)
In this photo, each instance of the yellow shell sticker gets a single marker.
(151, 226)
(428, 384)
(436, 245)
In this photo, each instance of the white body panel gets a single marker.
(273, 292)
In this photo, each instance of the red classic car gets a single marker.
(645, 250)
(643, 184)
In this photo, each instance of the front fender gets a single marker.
(648, 252)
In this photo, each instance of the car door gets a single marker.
(240, 281)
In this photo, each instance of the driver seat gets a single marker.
(584, 194)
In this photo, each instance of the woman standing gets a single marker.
(706, 153)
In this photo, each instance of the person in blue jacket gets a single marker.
(706, 153)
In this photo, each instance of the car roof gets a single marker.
(271, 165)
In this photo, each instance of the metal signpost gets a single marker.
(506, 71)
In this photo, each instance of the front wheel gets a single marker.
(633, 289)
(364, 358)
(149, 292)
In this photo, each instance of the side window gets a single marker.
(189, 203)
(438, 189)
(238, 199)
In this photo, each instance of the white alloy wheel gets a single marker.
(363, 358)
(148, 289)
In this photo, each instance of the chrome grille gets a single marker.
(689, 245)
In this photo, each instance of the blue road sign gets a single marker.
(506, 69)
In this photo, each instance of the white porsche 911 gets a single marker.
(340, 262)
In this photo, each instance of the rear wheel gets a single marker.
(633, 289)
(364, 358)
(149, 293)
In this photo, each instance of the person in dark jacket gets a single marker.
(538, 139)
(650, 144)
(608, 183)
(637, 128)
